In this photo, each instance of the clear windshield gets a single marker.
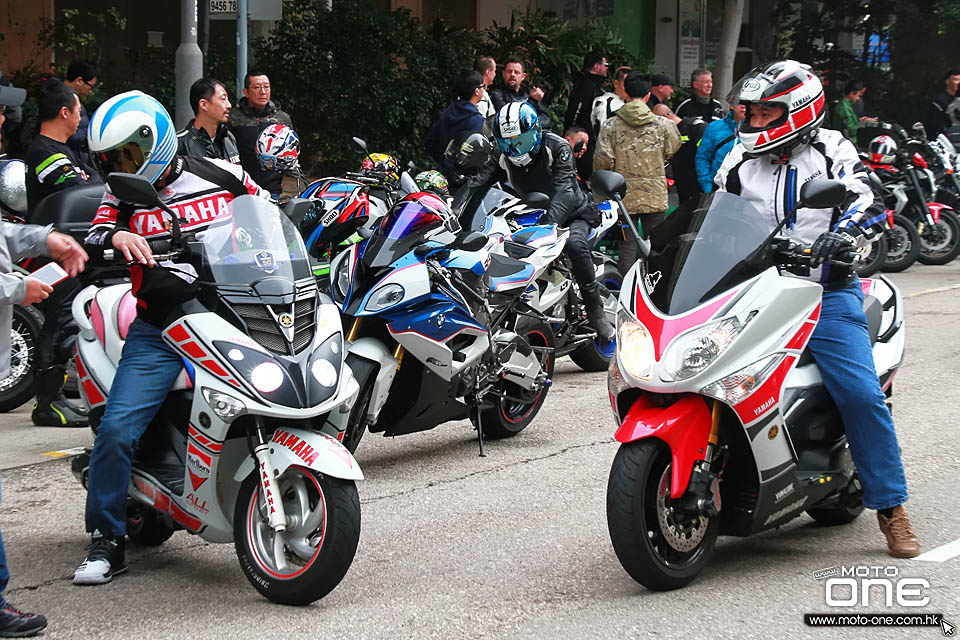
(253, 240)
(704, 248)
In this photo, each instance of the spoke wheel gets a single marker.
(17, 388)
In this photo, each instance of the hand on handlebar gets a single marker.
(134, 248)
(831, 246)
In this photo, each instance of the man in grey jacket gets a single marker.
(19, 241)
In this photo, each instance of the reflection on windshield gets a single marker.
(255, 241)
(702, 249)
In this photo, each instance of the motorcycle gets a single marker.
(244, 449)
(439, 327)
(724, 423)
(502, 214)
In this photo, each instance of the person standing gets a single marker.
(661, 90)
(82, 78)
(53, 166)
(207, 135)
(587, 87)
(487, 67)
(699, 106)
(604, 106)
(845, 119)
(938, 121)
(637, 144)
(460, 115)
(717, 141)
(19, 241)
(254, 113)
(513, 90)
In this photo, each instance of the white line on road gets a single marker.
(936, 290)
(941, 553)
(64, 453)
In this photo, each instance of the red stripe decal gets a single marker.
(192, 450)
(193, 349)
(664, 329)
(94, 397)
(214, 368)
(767, 396)
(181, 516)
(178, 333)
(81, 371)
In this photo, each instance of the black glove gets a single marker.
(829, 245)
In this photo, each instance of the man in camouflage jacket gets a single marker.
(637, 144)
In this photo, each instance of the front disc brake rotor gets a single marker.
(680, 536)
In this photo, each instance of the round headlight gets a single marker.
(634, 348)
(267, 377)
(324, 372)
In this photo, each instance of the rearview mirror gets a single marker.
(408, 184)
(360, 142)
(296, 208)
(536, 200)
(920, 130)
(822, 194)
(472, 241)
(134, 189)
(606, 184)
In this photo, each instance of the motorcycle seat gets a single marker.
(873, 310)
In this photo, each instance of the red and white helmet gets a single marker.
(278, 148)
(883, 150)
(791, 85)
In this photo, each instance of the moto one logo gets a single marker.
(862, 584)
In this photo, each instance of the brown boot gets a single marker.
(901, 540)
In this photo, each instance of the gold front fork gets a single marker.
(354, 330)
(715, 413)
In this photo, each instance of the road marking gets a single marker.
(941, 553)
(936, 290)
(64, 453)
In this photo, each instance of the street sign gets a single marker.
(256, 9)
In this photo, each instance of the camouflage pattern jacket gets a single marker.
(636, 143)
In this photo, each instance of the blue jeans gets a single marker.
(147, 370)
(840, 345)
(4, 572)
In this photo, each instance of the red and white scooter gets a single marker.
(724, 423)
(245, 448)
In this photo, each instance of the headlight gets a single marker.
(324, 372)
(341, 283)
(225, 406)
(692, 352)
(739, 385)
(385, 297)
(634, 346)
(267, 377)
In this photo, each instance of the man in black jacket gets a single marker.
(938, 121)
(512, 90)
(586, 88)
(699, 106)
(534, 160)
(459, 116)
(254, 113)
(207, 135)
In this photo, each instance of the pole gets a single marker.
(189, 61)
(241, 45)
(204, 29)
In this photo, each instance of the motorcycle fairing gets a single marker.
(684, 426)
(427, 333)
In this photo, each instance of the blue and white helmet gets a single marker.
(518, 133)
(132, 133)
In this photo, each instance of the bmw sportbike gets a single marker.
(244, 449)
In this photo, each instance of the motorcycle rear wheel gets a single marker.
(308, 560)
(903, 244)
(595, 356)
(638, 506)
(17, 388)
(945, 249)
(147, 527)
(848, 507)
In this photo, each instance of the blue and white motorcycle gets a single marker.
(439, 327)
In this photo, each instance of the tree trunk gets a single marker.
(730, 34)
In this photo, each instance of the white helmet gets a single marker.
(132, 133)
(883, 150)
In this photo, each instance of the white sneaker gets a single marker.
(104, 560)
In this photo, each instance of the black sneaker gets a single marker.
(104, 560)
(19, 624)
(59, 413)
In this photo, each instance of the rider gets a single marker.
(782, 147)
(132, 133)
(533, 160)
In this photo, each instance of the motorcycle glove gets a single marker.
(830, 245)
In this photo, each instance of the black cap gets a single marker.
(659, 79)
(12, 96)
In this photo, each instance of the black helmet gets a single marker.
(469, 151)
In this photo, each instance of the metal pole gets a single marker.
(241, 45)
(204, 30)
(189, 61)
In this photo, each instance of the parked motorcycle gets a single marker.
(439, 328)
(724, 423)
(242, 449)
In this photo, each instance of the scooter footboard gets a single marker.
(301, 448)
(684, 426)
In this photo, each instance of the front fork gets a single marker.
(260, 449)
(702, 496)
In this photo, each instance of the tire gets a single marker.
(18, 388)
(639, 477)
(943, 250)
(875, 259)
(506, 418)
(365, 373)
(847, 509)
(595, 356)
(321, 556)
(147, 528)
(903, 244)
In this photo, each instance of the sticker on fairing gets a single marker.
(266, 261)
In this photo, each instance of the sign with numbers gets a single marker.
(256, 9)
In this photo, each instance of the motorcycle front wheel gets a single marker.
(17, 388)
(873, 260)
(653, 546)
(941, 243)
(903, 244)
(309, 559)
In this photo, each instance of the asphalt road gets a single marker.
(513, 545)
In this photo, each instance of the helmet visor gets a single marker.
(126, 158)
(526, 142)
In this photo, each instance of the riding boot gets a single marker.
(596, 313)
(52, 409)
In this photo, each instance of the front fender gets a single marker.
(316, 451)
(936, 208)
(684, 426)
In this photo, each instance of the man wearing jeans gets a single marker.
(782, 147)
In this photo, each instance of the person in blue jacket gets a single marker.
(718, 138)
(459, 116)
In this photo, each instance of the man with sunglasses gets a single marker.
(52, 166)
(82, 78)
